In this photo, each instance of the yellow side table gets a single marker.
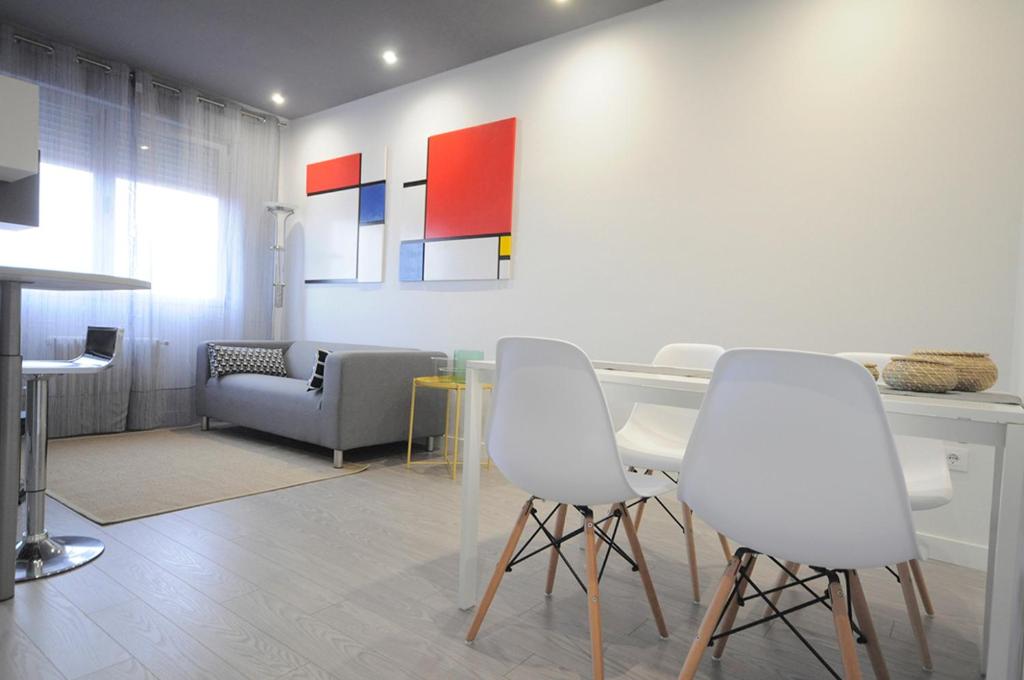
(450, 385)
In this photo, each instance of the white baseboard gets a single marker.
(962, 553)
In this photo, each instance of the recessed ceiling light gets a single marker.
(144, 147)
(277, 98)
(389, 57)
(561, 2)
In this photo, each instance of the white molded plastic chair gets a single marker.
(792, 457)
(929, 486)
(551, 435)
(654, 439)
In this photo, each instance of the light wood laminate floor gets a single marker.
(355, 578)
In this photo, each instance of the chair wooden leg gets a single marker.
(499, 571)
(734, 607)
(793, 568)
(710, 621)
(691, 552)
(645, 573)
(922, 587)
(553, 560)
(724, 542)
(867, 627)
(907, 585)
(593, 598)
(844, 633)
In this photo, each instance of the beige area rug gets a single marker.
(113, 478)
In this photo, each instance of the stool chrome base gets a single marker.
(54, 555)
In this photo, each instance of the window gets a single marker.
(175, 243)
(65, 237)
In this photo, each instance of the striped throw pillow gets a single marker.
(316, 381)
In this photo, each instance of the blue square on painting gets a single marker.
(371, 203)
(410, 261)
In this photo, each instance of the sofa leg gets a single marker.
(204, 423)
(339, 456)
(431, 443)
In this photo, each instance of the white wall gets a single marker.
(821, 175)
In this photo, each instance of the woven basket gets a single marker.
(873, 370)
(976, 370)
(920, 374)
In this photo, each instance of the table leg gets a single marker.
(10, 429)
(1004, 599)
(469, 549)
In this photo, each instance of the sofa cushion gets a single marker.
(268, 403)
(229, 359)
(316, 381)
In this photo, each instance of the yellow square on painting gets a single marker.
(505, 246)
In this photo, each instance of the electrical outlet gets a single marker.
(957, 456)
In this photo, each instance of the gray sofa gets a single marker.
(364, 401)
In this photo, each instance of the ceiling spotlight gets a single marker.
(389, 57)
(277, 98)
(144, 147)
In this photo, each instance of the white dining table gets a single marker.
(997, 425)
(12, 281)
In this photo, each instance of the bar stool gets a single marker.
(38, 554)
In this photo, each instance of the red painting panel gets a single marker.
(337, 173)
(469, 181)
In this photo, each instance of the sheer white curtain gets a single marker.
(149, 182)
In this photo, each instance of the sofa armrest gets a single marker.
(367, 394)
(203, 363)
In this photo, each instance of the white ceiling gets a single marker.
(318, 53)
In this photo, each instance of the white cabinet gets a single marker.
(19, 129)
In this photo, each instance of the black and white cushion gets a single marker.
(316, 381)
(228, 359)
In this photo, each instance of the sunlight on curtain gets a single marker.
(139, 181)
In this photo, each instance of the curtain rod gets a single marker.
(35, 43)
(203, 100)
(107, 68)
(92, 62)
(49, 49)
(165, 86)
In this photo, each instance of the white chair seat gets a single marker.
(648, 451)
(925, 471)
(928, 489)
(648, 486)
(654, 437)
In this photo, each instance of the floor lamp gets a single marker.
(281, 214)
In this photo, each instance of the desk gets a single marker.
(12, 281)
(998, 425)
